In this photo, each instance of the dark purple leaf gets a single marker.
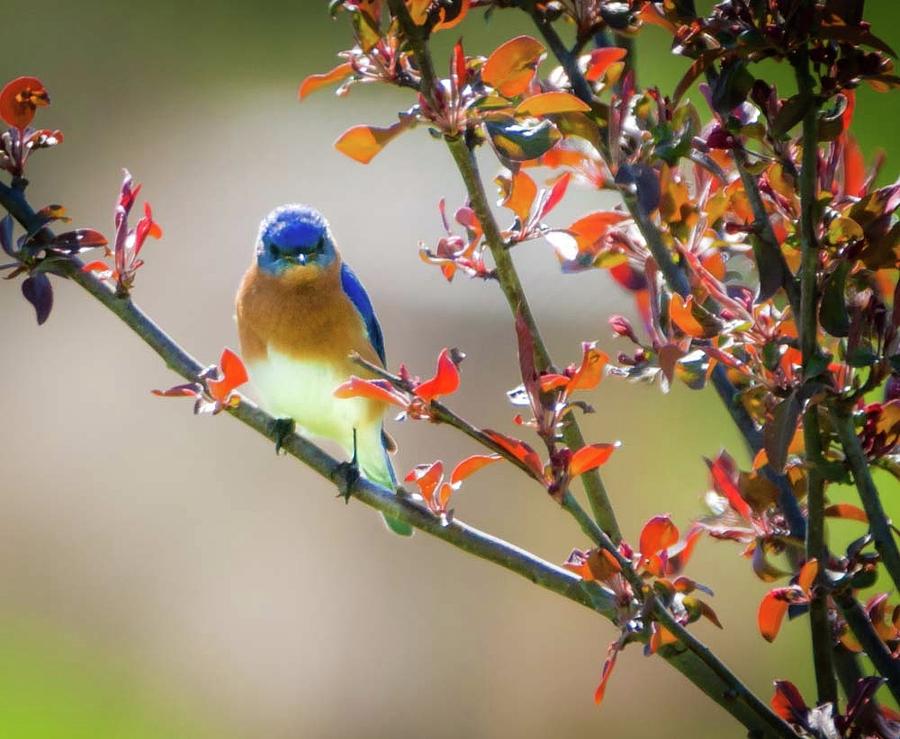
(38, 291)
(79, 240)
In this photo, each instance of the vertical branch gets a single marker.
(518, 303)
(808, 329)
(507, 275)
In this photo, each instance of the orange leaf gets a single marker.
(381, 390)
(547, 103)
(316, 81)
(472, 464)
(233, 375)
(445, 380)
(680, 313)
(520, 192)
(848, 511)
(452, 15)
(658, 534)
(807, 575)
(551, 382)
(788, 703)
(363, 143)
(427, 477)
(590, 457)
(19, 100)
(590, 228)
(600, 60)
(589, 374)
(520, 450)
(511, 67)
(771, 614)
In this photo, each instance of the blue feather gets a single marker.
(360, 299)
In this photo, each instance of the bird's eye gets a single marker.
(273, 251)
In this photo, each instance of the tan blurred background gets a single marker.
(164, 575)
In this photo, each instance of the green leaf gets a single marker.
(833, 311)
(521, 142)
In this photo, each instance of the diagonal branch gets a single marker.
(709, 675)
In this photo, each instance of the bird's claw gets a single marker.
(282, 428)
(346, 474)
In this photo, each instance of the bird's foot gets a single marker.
(282, 428)
(346, 474)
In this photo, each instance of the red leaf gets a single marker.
(590, 457)
(556, 195)
(658, 534)
(458, 65)
(19, 100)
(472, 464)
(608, 666)
(600, 60)
(848, 511)
(381, 390)
(771, 613)
(427, 477)
(316, 81)
(233, 375)
(788, 703)
(445, 380)
(854, 168)
(726, 486)
(520, 450)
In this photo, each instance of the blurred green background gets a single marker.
(162, 575)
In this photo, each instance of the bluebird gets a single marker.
(300, 313)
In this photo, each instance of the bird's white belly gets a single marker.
(304, 391)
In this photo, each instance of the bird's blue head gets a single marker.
(294, 236)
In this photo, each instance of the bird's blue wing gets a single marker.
(360, 299)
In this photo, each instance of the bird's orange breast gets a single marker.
(303, 313)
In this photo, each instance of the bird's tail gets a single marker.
(382, 473)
